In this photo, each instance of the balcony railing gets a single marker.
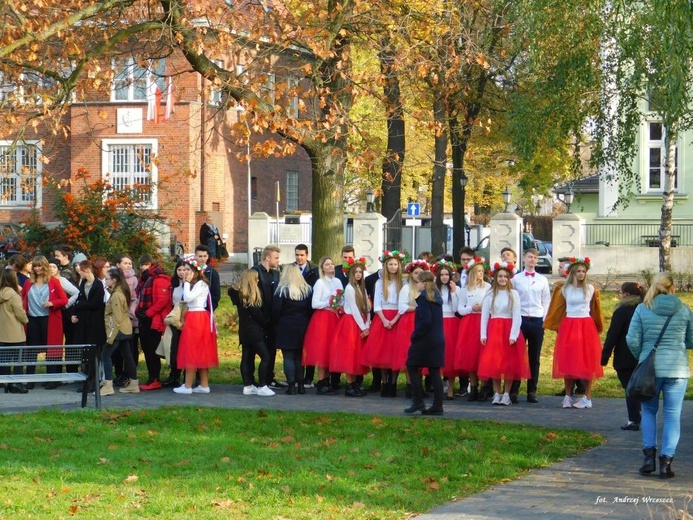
(635, 234)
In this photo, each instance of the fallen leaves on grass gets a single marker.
(130, 479)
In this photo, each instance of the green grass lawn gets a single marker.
(213, 463)
(230, 353)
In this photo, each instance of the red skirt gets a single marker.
(346, 353)
(578, 350)
(450, 328)
(469, 347)
(377, 352)
(405, 327)
(499, 359)
(197, 347)
(319, 336)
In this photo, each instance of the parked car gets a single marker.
(483, 248)
(545, 261)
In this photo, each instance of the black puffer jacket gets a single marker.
(616, 336)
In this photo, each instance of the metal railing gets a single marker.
(634, 234)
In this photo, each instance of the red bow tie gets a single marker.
(529, 274)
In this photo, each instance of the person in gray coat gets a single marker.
(671, 367)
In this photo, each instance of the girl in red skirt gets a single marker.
(197, 347)
(406, 305)
(450, 293)
(346, 354)
(379, 345)
(577, 354)
(320, 332)
(503, 355)
(468, 347)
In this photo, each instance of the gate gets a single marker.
(393, 232)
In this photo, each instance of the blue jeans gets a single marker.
(673, 390)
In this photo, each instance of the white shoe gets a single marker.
(505, 400)
(583, 402)
(182, 389)
(496, 399)
(264, 391)
(250, 390)
(201, 389)
(567, 402)
(445, 387)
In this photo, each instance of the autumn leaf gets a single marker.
(223, 504)
(73, 510)
(130, 479)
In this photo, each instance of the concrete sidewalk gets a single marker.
(600, 483)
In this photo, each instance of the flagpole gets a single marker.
(278, 199)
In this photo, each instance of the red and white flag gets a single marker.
(169, 100)
(153, 101)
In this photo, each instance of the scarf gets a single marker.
(147, 290)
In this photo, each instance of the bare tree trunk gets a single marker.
(665, 225)
(438, 182)
(394, 157)
(459, 137)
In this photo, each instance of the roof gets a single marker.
(589, 184)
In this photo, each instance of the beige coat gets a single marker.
(116, 316)
(12, 317)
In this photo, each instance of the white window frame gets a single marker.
(23, 203)
(106, 149)
(132, 65)
(292, 98)
(656, 144)
(292, 191)
(215, 93)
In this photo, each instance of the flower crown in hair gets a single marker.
(417, 264)
(442, 263)
(506, 266)
(352, 262)
(192, 262)
(397, 255)
(477, 260)
(577, 260)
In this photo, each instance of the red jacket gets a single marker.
(162, 303)
(57, 296)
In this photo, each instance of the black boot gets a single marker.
(649, 464)
(416, 407)
(385, 390)
(291, 390)
(665, 467)
(393, 390)
(324, 387)
(173, 380)
(473, 394)
(436, 409)
(407, 391)
(301, 388)
(352, 391)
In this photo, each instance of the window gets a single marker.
(128, 165)
(291, 191)
(253, 188)
(292, 93)
(215, 93)
(133, 79)
(20, 173)
(656, 157)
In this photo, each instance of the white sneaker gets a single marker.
(182, 389)
(505, 400)
(583, 402)
(201, 389)
(567, 402)
(250, 390)
(496, 399)
(264, 391)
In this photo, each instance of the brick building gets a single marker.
(191, 159)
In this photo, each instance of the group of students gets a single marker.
(76, 301)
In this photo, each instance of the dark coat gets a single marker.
(251, 321)
(370, 282)
(311, 273)
(291, 319)
(214, 285)
(616, 336)
(339, 275)
(91, 327)
(427, 341)
(268, 282)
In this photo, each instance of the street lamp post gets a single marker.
(568, 198)
(507, 197)
(463, 183)
(370, 198)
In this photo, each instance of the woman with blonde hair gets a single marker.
(578, 350)
(468, 348)
(346, 354)
(44, 298)
(662, 314)
(252, 323)
(291, 312)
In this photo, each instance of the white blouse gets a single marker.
(470, 297)
(449, 304)
(177, 294)
(323, 289)
(195, 296)
(352, 309)
(379, 302)
(576, 304)
(502, 308)
(403, 300)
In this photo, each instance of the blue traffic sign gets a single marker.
(413, 209)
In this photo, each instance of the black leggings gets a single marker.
(293, 369)
(37, 334)
(417, 390)
(248, 353)
(150, 339)
(632, 405)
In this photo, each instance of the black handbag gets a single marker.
(223, 252)
(642, 384)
